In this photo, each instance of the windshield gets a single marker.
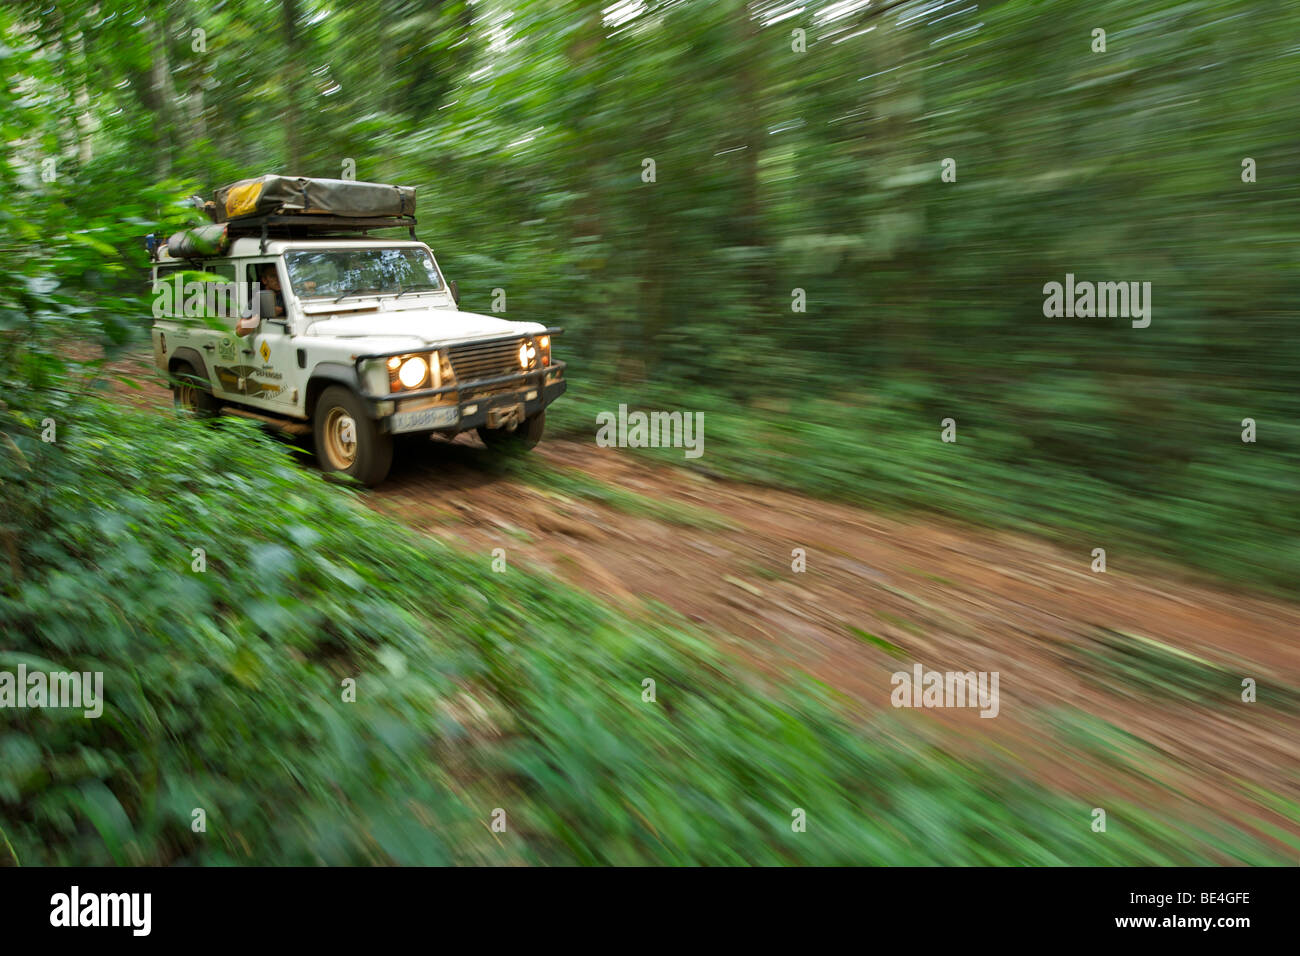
(340, 272)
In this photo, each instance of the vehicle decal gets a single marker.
(239, 380)
(265, 350)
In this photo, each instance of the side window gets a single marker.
(227, 306)
(253, 282)
(164, 273)
(165, 295)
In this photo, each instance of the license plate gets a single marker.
(426, 418)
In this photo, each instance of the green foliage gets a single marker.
(222, 687)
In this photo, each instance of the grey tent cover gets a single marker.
(305, 195)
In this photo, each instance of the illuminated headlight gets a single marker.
(527, 354)
(413, 372)
(544, 348)
(409, 372)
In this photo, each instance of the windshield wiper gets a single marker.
(427, 288)
(355, 291)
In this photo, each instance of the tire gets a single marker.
(191, 394)
(369, 455)
(524, 438)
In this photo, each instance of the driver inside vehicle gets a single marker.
(270, 279)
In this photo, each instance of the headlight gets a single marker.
(544, 347)
(409, 372)
(413, 372)
(527, 354)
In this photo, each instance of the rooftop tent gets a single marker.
(301, 195)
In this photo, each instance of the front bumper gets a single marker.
(420, 410)
(470, 414)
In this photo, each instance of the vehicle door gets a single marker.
(261, 372)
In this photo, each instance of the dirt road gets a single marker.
(1159, 657)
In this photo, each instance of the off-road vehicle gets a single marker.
(363, 338)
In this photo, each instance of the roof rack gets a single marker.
(287, 226)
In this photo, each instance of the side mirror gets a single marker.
(266, 304)
(455, 291)
(263, 307)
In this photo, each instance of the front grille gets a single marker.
(475, 362)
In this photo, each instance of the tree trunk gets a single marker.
(292, 68)
(749, 92)
(163, 94)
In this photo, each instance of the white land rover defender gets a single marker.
(363, 338)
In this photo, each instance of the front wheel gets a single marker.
(524, 436)
(348, 439)
(191, 393)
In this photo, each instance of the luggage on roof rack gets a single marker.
(199, 242)
(302, 197)
(290, 207)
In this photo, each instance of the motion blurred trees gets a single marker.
(526, 126)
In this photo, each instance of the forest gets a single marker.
(831, 228)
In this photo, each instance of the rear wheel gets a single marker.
(191, 393)
(524, 437)
(348, 439)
